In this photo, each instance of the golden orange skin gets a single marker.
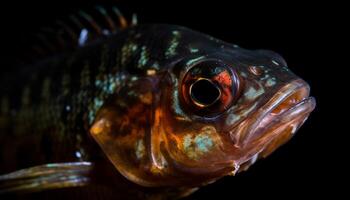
(151, 146)
(139, 114)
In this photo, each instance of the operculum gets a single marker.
(123, 129)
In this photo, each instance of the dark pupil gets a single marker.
(204, 92)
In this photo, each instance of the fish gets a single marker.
(142, 111)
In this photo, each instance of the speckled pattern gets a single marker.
(127, 93)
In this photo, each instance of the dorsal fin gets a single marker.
(67, 33)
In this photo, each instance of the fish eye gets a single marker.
(210, 87)
(204, 92)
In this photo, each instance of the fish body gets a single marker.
(163, 105)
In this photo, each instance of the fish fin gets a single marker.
(99, 22)
(134, 20)
(45, 177)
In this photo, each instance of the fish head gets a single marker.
(224, 111)
(204, 117)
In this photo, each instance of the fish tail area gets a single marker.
(45, 177)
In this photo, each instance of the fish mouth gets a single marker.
(262, 132)
(276, 121)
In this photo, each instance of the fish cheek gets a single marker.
(194, 147)
(198, 145)
(121, 128)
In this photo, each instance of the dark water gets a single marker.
(299, 169)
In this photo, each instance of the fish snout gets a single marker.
(276, 121)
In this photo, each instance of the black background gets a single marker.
(302, 33)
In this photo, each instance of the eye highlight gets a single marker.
(210, 87)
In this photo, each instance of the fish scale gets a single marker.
(125, 102)
(74, 85)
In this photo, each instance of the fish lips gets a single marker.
(275, 122)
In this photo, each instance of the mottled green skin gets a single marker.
(50, 105)
(47, 108)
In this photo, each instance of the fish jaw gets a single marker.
(274, 123)
(195, 153)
